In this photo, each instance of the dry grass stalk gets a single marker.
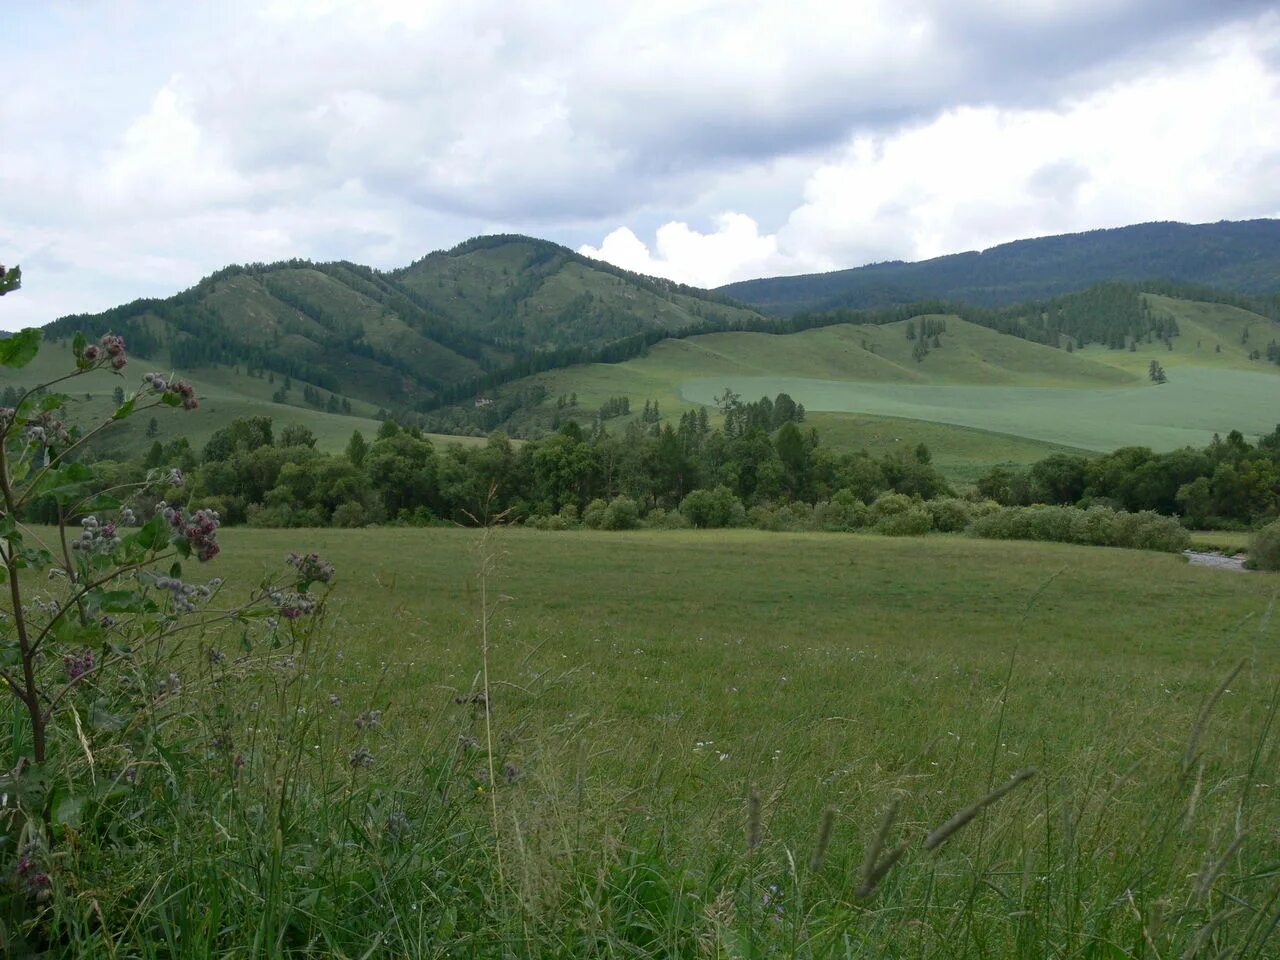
(753, 819)
(874, 867)
(1204, 933)
(1193, 744)
(940, 835)
(1214, 867)
(824, 840)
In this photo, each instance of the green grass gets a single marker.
(224, 395)
(1188, 410)
(643, 685)
(644, 681)
(997, 388)
(1223, 541)
(963, 454)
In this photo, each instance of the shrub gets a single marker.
(1264, 547)
(713, 508)
(949, 514)
(621, 514)
(349, 514)
(889, 504)
(593, 516)
(1096, 526)
(764, 517)
(655, 519)
(912, 522)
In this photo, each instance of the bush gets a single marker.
(621, 514)
(1264, 547)
(1097, 526)
(593, 516)
(349, 514)
(763, 517)
(912, 522)
(890, 504)
(713, 508)
(949, 514)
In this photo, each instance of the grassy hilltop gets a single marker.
(979, 396)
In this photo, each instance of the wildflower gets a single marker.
(360, 757)
(334, 700)
(369, 720)
(216, 656)
(311, 568)
(397, 824)
(510, 773)
(176, 478)
(77, 666)
(183, 392)
(198, 531)
(171, 684)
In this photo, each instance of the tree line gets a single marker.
(1228, 483)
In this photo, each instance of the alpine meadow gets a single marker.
(828, 508)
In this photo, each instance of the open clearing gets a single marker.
(1188, 410)
(655, 674)
(986, 397)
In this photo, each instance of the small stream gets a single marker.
(1216, 560)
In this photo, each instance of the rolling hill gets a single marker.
(1242, 256)
(402, 339)
(977, 396)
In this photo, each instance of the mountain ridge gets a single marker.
(1241, 256)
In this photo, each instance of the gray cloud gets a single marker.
(145, 145)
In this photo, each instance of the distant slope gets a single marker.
(981, 395)
(529, 294)
(400, 340)
(1235, 255)
(225, 393)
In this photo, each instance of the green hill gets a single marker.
(225, 393)
(402, 340)
(976, 396)
(1241, 256)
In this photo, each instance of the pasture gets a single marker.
(1186, 411)
(661, 701)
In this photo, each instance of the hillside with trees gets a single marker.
(494, 307)
(1240, 256)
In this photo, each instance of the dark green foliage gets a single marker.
(1096, 526)
(1264, 547)
(1231, 482)
(1240, 256)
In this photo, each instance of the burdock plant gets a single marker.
(93, 619)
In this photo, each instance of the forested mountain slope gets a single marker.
(1242, 256)
(401, 340)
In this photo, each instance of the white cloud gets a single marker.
(1198, 141)
(734, 250)
(147, 144)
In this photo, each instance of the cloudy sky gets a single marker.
(143, 145)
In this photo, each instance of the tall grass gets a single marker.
(297, 822)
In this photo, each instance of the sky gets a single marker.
(145, 145)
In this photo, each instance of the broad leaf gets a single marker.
(20, 349)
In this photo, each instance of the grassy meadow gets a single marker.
(663, 701)
(981, 397)
(225, 393)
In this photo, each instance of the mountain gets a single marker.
(489, 308)
(1240, 256)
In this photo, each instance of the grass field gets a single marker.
(683, 744)
(643, 684)
(982, 397)
(224, 395)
